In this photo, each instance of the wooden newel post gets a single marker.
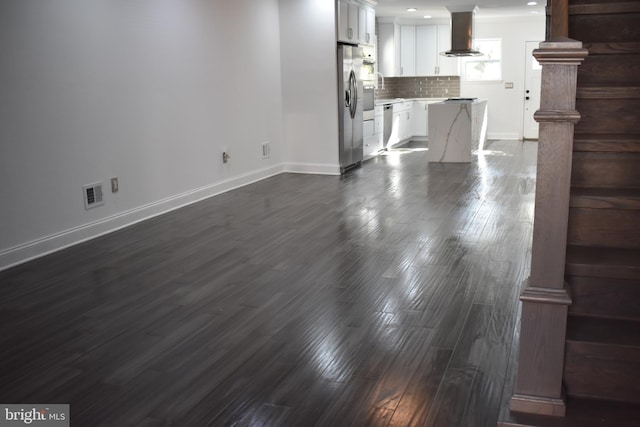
(545, 299)
(559, 18)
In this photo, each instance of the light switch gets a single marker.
(508, 85)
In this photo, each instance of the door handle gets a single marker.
(353, 86)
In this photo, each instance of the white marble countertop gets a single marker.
(462, 101)
(383, 101)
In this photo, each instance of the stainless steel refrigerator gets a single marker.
(350, 101)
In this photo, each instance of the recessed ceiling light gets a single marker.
(532, 3)
(427, 16)
(411, 9)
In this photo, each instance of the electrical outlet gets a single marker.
(114, 185)
(225, 157)
(266, 149)
(508, 85)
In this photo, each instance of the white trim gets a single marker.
(312, 168)
(46, 245)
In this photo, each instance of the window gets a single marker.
(486, 67)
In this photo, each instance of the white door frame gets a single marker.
(531, 95)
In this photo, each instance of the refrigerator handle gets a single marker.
(347, 96)
(353, 86)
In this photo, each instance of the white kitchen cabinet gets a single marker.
(356, 23)
(370, 140)
(388, 39)
(426, 50)
(420, 51)
(406, 119)
(419, 119)
(447, 66)
(366, 25)
(348, 16)
(401, 128)
(373, 133)
(378, 120)
(407, 50)
(379, 127)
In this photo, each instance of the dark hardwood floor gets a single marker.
(385, 297)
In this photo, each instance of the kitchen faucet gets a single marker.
(382, 77)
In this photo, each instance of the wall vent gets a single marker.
(92, 195)
(266, 150)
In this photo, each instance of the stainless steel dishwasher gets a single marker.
(387, 124)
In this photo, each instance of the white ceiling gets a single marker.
(437, 8)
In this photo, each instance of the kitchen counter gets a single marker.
(455, 129)
(383, 101)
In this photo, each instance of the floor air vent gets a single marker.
(93, 195)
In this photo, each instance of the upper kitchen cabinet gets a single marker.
(447, 66)
(407, 50)
(388, 48)
(367, 25)
(356, 23)
(415, 50)
(348, 22)
(426, 50)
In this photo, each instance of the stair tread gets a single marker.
(611, 48)
(601, 198)
(603, 331)
(604, 8)
(613, 86)
(613, 136)
(603, 262)
(606, 142)
(604, 298)
(580, 413)
(608, 91)
(598, 255)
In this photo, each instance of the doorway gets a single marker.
(532, 78)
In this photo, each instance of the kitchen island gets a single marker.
(456, 127)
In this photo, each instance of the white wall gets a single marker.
(148, 91)
(506, 106)
(309, 85)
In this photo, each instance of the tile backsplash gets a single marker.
(419, 87)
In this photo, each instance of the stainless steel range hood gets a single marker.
(462, 32)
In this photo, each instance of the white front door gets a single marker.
(531, 96)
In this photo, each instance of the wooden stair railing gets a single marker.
(545, 298)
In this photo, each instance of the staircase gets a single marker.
(601, 375)
(602, 353)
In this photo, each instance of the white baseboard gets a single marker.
(312, 168)
(25, 252)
